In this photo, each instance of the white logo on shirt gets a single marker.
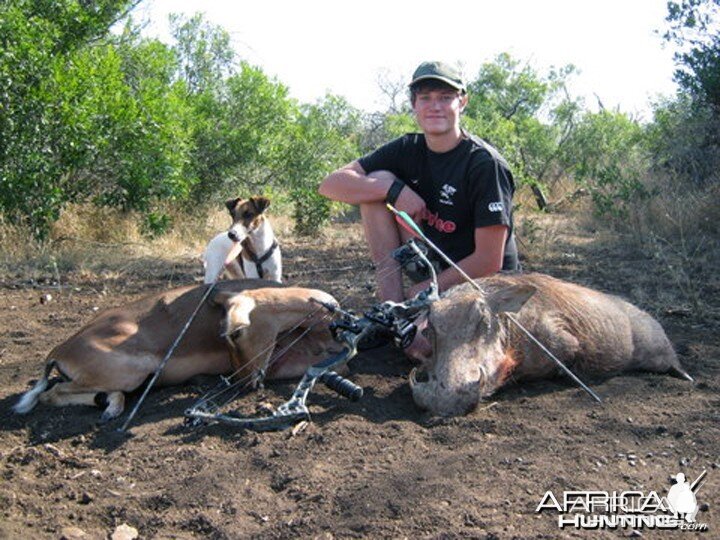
(446, 192)
(495, 207)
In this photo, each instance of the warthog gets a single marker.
(476, 348)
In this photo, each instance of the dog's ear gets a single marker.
(230, 204)
(261, 204)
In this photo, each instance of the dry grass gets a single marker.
(679, 228)
(676, 231)
(671, 239)
(100, 243)
(96, 244)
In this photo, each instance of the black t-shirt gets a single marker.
(468, 187)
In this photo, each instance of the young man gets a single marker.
(454, 185)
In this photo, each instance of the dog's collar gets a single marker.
(250, 252)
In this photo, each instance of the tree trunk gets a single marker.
(539, 197)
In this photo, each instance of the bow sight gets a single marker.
(396, 318)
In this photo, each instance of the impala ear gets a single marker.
(220, 298)
(238, 307)
(510, 299)
(229, 299)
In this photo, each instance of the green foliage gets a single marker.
(685, 135)
(323, 137)
(310, 210)
(126, 136)
(400, 123)
(204, 53)
(506, 88)
(684, 141)
(131, 122)
(526, 115)
(695, 27)
(607, 154)
(156, 224)
(38, 152)
(135, 123)
(236, 131)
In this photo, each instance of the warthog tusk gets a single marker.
(411, 377)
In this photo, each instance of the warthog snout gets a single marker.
(431, 395)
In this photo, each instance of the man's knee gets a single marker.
(373, 211)
(377, 221)
(381, 231)
(375, 214)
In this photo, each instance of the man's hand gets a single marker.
(410, 202)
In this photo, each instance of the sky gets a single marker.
(320, 46)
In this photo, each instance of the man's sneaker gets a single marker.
(374, 338)
(414, 267)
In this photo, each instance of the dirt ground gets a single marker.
(377, 468)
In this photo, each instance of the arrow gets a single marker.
(407, 222)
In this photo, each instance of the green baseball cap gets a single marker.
(440, 71)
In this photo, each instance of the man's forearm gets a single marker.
(474, 266)
(450, 277)
(350, 185)
(483, 262)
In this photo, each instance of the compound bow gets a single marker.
(395, 318)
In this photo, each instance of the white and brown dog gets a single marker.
(249, 248)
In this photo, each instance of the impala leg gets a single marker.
(71, 393)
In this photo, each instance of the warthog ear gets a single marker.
(510, 299)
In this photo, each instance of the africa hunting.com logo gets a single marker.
(628, 509)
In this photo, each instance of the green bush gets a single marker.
(607, 154)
